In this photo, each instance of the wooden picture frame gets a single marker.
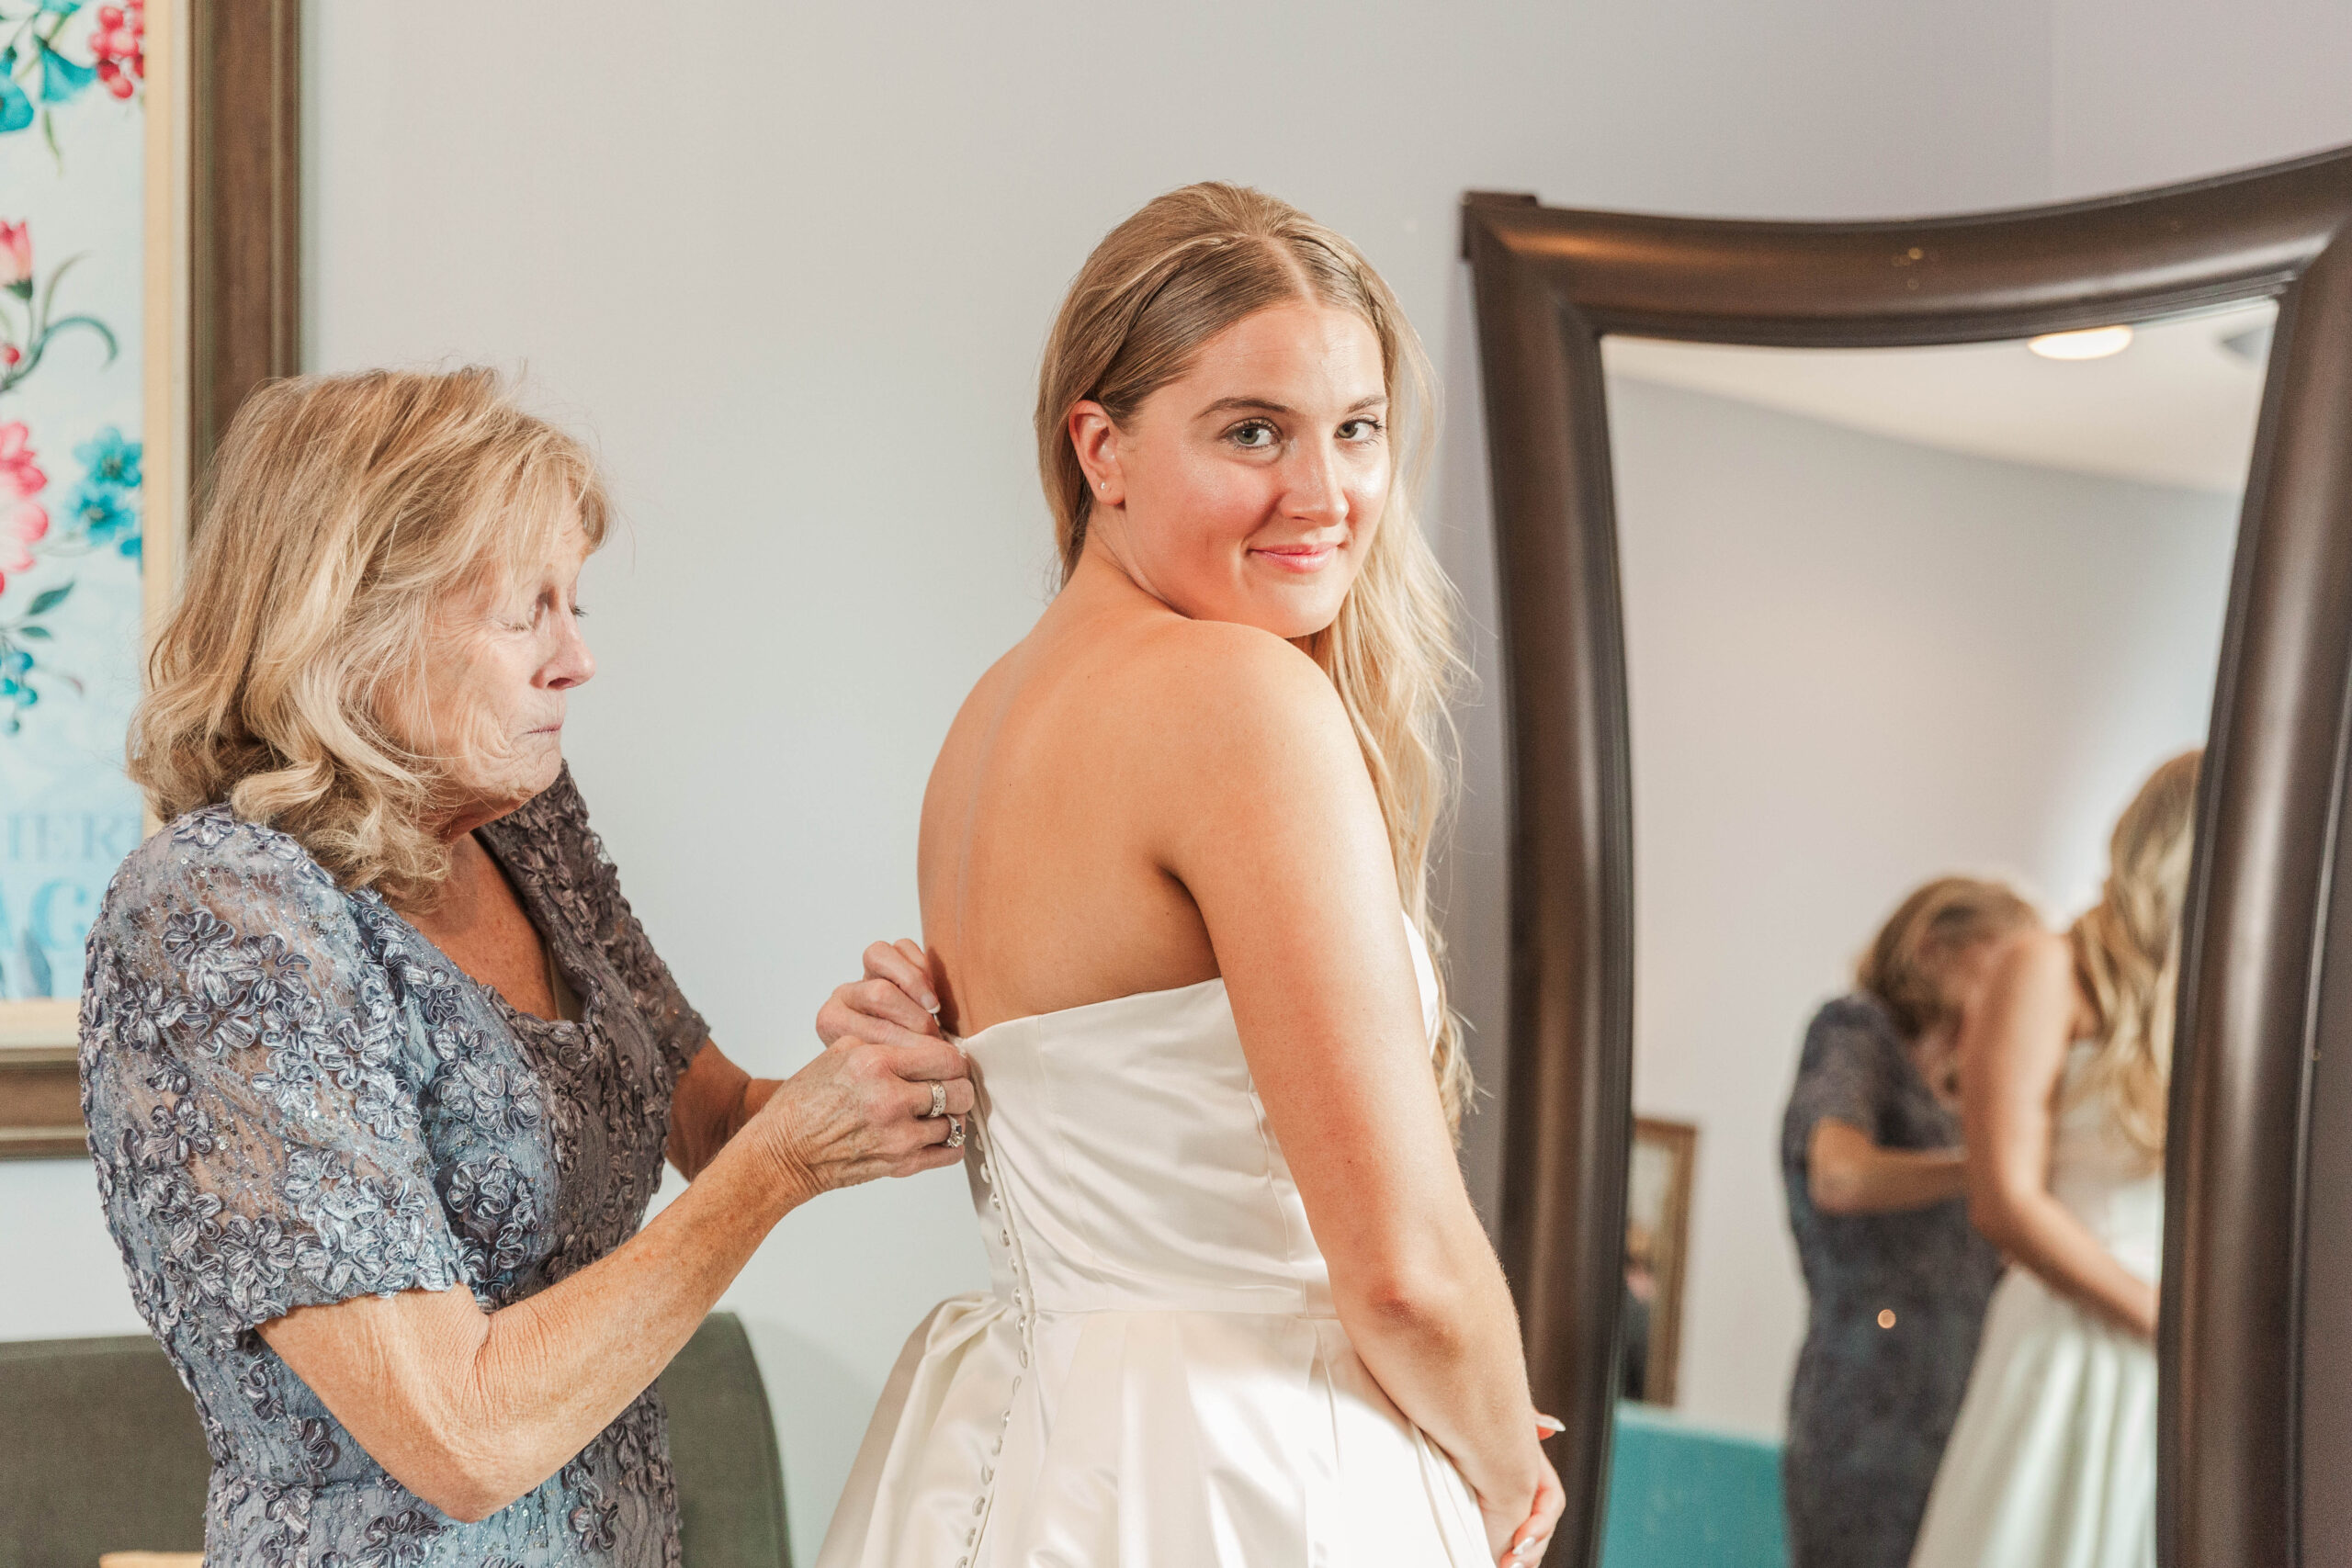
(1659, 1243)
(221, 233)
(2257, 1272)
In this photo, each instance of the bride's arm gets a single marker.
(2013, 1050)
(1261, 808)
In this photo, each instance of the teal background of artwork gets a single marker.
(68, 815)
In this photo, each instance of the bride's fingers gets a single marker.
(886, 1000)
(902, 964)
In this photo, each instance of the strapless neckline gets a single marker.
(1083, 1009)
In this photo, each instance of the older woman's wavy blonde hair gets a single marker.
(2127, 950)
(1908, 965)
(1186, 266)
(342, 510)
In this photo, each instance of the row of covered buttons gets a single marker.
(1025, 1318)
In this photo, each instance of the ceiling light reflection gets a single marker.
(2092, 342)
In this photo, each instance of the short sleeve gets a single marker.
(1844, 1072)
(252, 1100)
(550, 841)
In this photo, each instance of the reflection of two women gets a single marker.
(2034, 1442)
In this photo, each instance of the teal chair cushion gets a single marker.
(100, 1451)
(1681, 1496)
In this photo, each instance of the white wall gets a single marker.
(792, 264)
(2146, 92)
(1855, 663)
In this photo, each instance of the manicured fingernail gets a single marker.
(1550, 1424)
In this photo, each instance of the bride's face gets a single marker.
(1249, 488)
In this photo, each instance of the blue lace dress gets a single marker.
(295, 1099)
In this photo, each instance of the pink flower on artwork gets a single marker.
(19, 472)
(20, 525)
(119, 46)
(16, 256)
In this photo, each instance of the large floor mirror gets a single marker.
(1928, 644)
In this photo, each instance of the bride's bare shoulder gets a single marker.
(1208, 684)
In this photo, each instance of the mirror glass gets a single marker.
(1907, 631)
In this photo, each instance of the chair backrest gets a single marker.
(100, 1450)
(722, 1443)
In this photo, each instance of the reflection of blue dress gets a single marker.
(295, 1099)
(1871, 1407)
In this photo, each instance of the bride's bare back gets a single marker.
(1040, 888)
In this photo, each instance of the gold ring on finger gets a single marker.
(955, 1131)
(938, 1100)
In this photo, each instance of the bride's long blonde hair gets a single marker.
(2127, 950)
(1185, 267)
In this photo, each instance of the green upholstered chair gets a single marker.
(100, 1451)
(1681, 1496)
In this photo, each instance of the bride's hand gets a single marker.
(892, 1005)
(1525, 1544)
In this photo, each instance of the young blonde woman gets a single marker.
(1871, 1158)
(1172, 864)
(2052, 1461)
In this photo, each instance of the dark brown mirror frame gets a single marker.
(2258, 1278)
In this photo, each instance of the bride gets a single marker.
(2066, 1053)
(1173, 864)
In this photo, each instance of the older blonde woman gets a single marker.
(379, 1068)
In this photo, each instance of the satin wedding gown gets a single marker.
(2052, 1461)
(1157, 1375)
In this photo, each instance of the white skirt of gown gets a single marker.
(2053, 1461)
(1157, 1375)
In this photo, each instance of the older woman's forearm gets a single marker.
(471, 1410)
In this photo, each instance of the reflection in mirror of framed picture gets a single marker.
(1658, 1245)
(148, 240)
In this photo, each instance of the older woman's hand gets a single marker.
(893, 1004)
(861, 1110)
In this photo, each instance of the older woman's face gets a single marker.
(500, 663)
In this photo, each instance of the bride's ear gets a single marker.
(1095, 436)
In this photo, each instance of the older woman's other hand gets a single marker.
(893, 1004)
(861, 1110)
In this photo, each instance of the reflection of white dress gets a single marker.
(1156, 1376)
(2053, 1462)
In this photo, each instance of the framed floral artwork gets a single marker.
(148, 244)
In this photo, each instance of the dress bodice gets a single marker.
(1124, 1161)
(1157, 1375)
(2115, 1189)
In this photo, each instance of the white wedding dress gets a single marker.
(2053, 1461)
(1157, 1375)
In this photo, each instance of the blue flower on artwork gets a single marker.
(101, 513)
(62, 81)
(109, 460)
(15, 108)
